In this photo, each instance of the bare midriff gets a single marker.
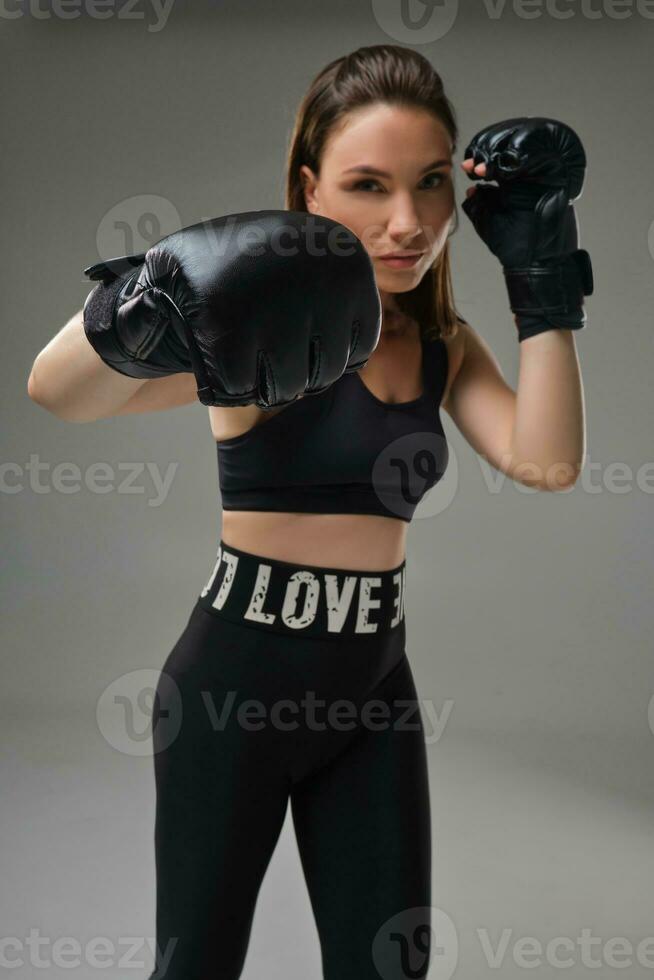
(364, 542)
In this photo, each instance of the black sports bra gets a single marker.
(342, 451)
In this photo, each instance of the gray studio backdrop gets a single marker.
(529, 615)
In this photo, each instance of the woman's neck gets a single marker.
(395, 322)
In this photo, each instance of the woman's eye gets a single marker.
(362, 185)
(359, 186)
(440, 178)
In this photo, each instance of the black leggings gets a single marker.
(292, 682)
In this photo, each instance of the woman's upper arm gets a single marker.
(480, 402)
(157, 394)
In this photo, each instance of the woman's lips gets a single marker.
(400, 262)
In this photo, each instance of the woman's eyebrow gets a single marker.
(364, 168)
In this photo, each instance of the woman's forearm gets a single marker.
(549, 428)
(70, 380)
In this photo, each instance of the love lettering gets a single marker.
(303, 594)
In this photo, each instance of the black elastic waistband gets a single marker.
(310, 600)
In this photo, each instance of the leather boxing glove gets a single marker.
(262, 306)
(528, 220)
(138, 347)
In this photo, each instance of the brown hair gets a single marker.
(394, 75)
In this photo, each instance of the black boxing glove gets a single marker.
(528, 220)
(262, 306)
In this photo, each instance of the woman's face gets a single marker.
(386, 174)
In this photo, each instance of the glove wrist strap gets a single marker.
(551, 289)
(129, 326)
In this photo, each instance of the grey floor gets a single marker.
(534, 836)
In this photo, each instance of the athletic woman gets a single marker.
(325, 372)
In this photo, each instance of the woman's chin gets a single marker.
(396, 281)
